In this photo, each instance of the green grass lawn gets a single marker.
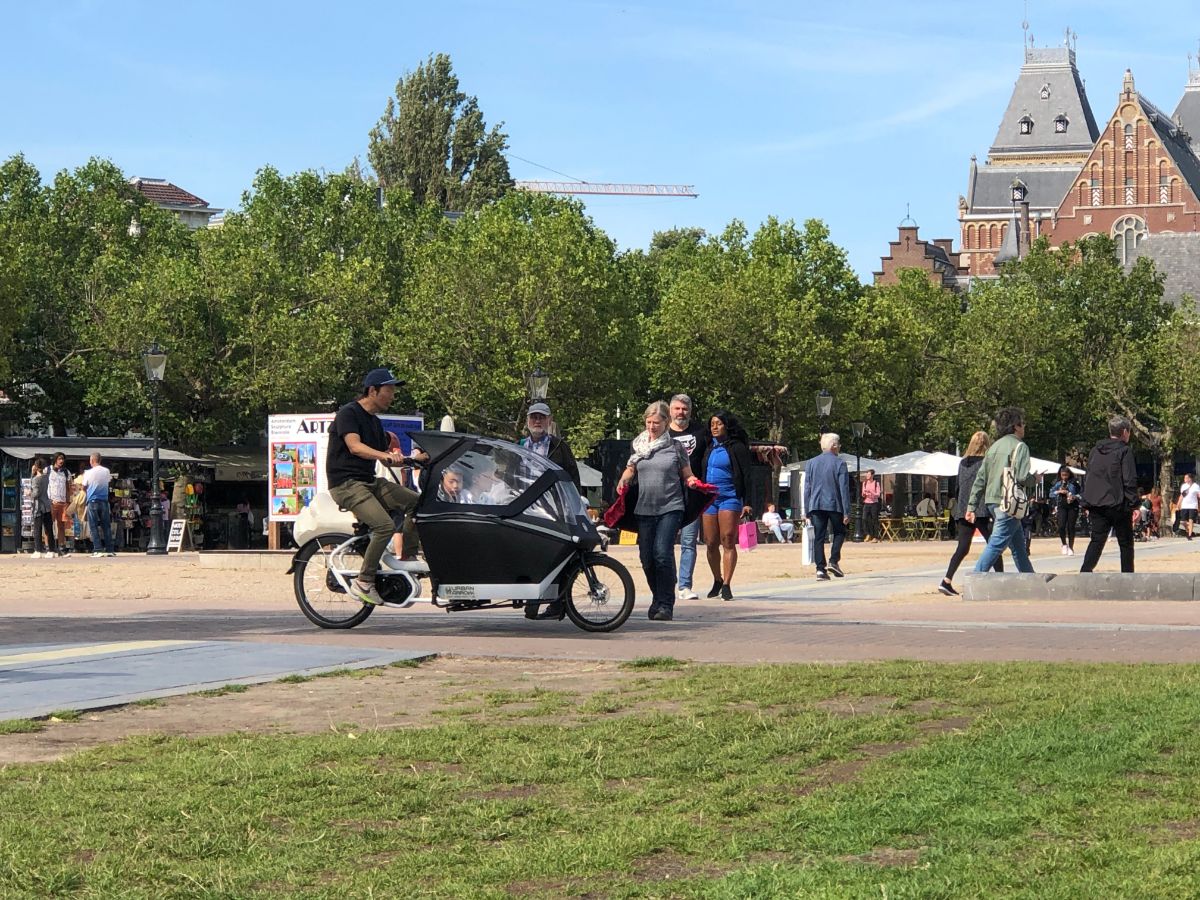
(886, 781)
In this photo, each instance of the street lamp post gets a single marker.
(824, 408)
(858, 429)
(155, 359)
(538, 383)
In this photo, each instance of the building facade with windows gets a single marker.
(1137, 176)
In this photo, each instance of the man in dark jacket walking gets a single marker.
(1110, 493)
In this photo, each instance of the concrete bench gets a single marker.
(1092, 586)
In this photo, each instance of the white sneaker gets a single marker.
(35, 555)
(1070, 552)
(110, 554)
(97, 555)
(1064, 549)
(686, 594)
(368, 594)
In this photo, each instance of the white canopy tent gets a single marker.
(1046, 467)
(852, 465)
(919, 462)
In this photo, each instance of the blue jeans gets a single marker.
(656, 546)
(687, 553)
(99, 515)
(1006, 532)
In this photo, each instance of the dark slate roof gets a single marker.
(1009, 249)
(1054, 68)
(163, 193)
(1177, 256)
(1176, 142)
(991, 190)
(1187, 113)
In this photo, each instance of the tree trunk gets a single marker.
(1166, 486)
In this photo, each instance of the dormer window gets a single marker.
(1060, 125)
(1045, 92)
(1025, 125)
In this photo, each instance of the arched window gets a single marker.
(1128, 233)
(1025, 125)
(1129, 136)
(1060, 125)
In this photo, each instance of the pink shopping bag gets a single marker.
(747, 535)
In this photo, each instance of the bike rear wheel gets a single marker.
(321, 598)
(604, 605)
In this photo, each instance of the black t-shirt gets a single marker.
(342, 465)
(694, 439)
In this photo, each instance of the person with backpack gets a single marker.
(1002, 484)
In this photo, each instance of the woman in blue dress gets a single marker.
(726, 464)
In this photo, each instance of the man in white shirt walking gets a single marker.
(99, 513)
(1189, 501)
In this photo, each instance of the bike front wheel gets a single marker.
(321, 598)
(599, 595)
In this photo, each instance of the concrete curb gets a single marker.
(1090, 586)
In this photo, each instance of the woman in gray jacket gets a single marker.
(968, 468)
(42, 520)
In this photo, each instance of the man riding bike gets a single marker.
(357, 440)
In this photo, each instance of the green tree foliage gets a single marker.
(757, 324)
(523, 282)
(432, 141)
(22, 223)
(904, 342)
(77, 251)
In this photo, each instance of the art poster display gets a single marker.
(296, 447)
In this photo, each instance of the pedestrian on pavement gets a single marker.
(1065, 493)
(693, 437)
(1009, 451)
(968, 468)
(1110, 494)
(870, 506)
(660, 465)
(59, 483)
(827, 504)
(43, 524)
(539, 423)
(99, 511)
(1189, 501)
(726, 464)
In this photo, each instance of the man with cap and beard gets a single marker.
(357, 440)
(538, 422)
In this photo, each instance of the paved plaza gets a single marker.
(80, 633)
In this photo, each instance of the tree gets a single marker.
(22, 223)
(432, 141)
(528, 281)
(757, 324)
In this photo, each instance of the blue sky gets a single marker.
(844, 112)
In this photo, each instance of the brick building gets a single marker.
(908, 251)
(1045, 136)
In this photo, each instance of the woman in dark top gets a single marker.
(42, 524)
(726, 464)
(1065, 494)
(660, 465)
(968, 468)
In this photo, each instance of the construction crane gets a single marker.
(599, 187)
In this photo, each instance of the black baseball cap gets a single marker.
(380, 378)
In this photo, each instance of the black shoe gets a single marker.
(716, 588)
(554, 610)
(653, 614)
(726, 592)
(948, 589)
(835, 570)
(662, 615)
(822, 576)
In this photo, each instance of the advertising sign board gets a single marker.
(296, 447)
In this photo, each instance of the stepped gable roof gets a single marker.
(1047, 87)
(1176, 256)
(1175, 141)
(1187, 113)
(163, 193)
(990, 190)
